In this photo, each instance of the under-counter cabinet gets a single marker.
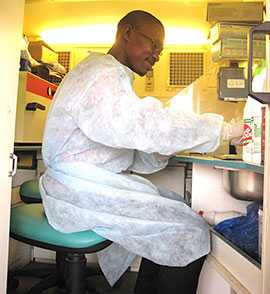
(227, 269)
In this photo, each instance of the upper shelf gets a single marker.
(235, 164)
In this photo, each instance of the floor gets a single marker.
(97, 283)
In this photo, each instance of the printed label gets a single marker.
(247, 133)
(236, 83)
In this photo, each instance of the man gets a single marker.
(98, 131)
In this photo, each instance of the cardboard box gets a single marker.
(247, 12)
(231, 30)
(42, 52)
(236, 49)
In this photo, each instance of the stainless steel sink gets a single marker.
(243, 184)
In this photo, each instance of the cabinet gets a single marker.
(241, 273)
(33, 102)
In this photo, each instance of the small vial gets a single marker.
(215, 217)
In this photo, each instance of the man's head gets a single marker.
(139, 41)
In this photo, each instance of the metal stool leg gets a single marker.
(76, 283)
(61, 269)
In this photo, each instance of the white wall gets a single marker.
(11, 20)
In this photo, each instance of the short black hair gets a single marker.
(136, 18)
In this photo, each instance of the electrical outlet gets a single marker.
(149, 81)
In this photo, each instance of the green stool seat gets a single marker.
(29, 224)
(29, 192)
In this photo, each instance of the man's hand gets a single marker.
(233, 132)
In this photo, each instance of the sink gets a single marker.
(243, 184)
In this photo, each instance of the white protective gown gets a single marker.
(97, 131)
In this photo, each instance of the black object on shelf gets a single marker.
(33, 106)
(25, 65)
(232, 149)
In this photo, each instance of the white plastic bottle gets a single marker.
(252, 152)
(215, 217)
(252, 131)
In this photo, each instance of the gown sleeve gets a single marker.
(145, 163)
(110, 113)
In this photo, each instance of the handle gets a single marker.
(226, 168)
(50, 91)
(33, 106)
(14, 164)
(262, 28)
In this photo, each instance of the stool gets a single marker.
(29, 192)
(29, 224)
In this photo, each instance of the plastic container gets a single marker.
(252, 131)
(215, 217)
(252, 152)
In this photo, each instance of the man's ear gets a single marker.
(126, 33)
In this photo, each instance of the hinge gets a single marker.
(14, 164)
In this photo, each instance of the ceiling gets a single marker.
(42, 15)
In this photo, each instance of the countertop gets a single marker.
(183, 158)
(210, 160)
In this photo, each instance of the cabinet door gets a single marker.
(11, 20)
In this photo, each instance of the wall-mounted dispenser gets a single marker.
(232, 85)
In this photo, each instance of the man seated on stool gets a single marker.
(98, 131)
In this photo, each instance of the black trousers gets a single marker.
(158, 279)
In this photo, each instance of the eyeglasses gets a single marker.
(157, 48)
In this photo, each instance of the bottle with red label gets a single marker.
(253, 151)
(252, 131)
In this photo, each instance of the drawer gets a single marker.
(242, 269)
(33, 102)
(38, 86)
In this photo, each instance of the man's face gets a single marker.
(144, 47)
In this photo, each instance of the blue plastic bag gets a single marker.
(243, 231)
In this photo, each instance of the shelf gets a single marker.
(239, 250)
(27, 146)
(240, 266)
